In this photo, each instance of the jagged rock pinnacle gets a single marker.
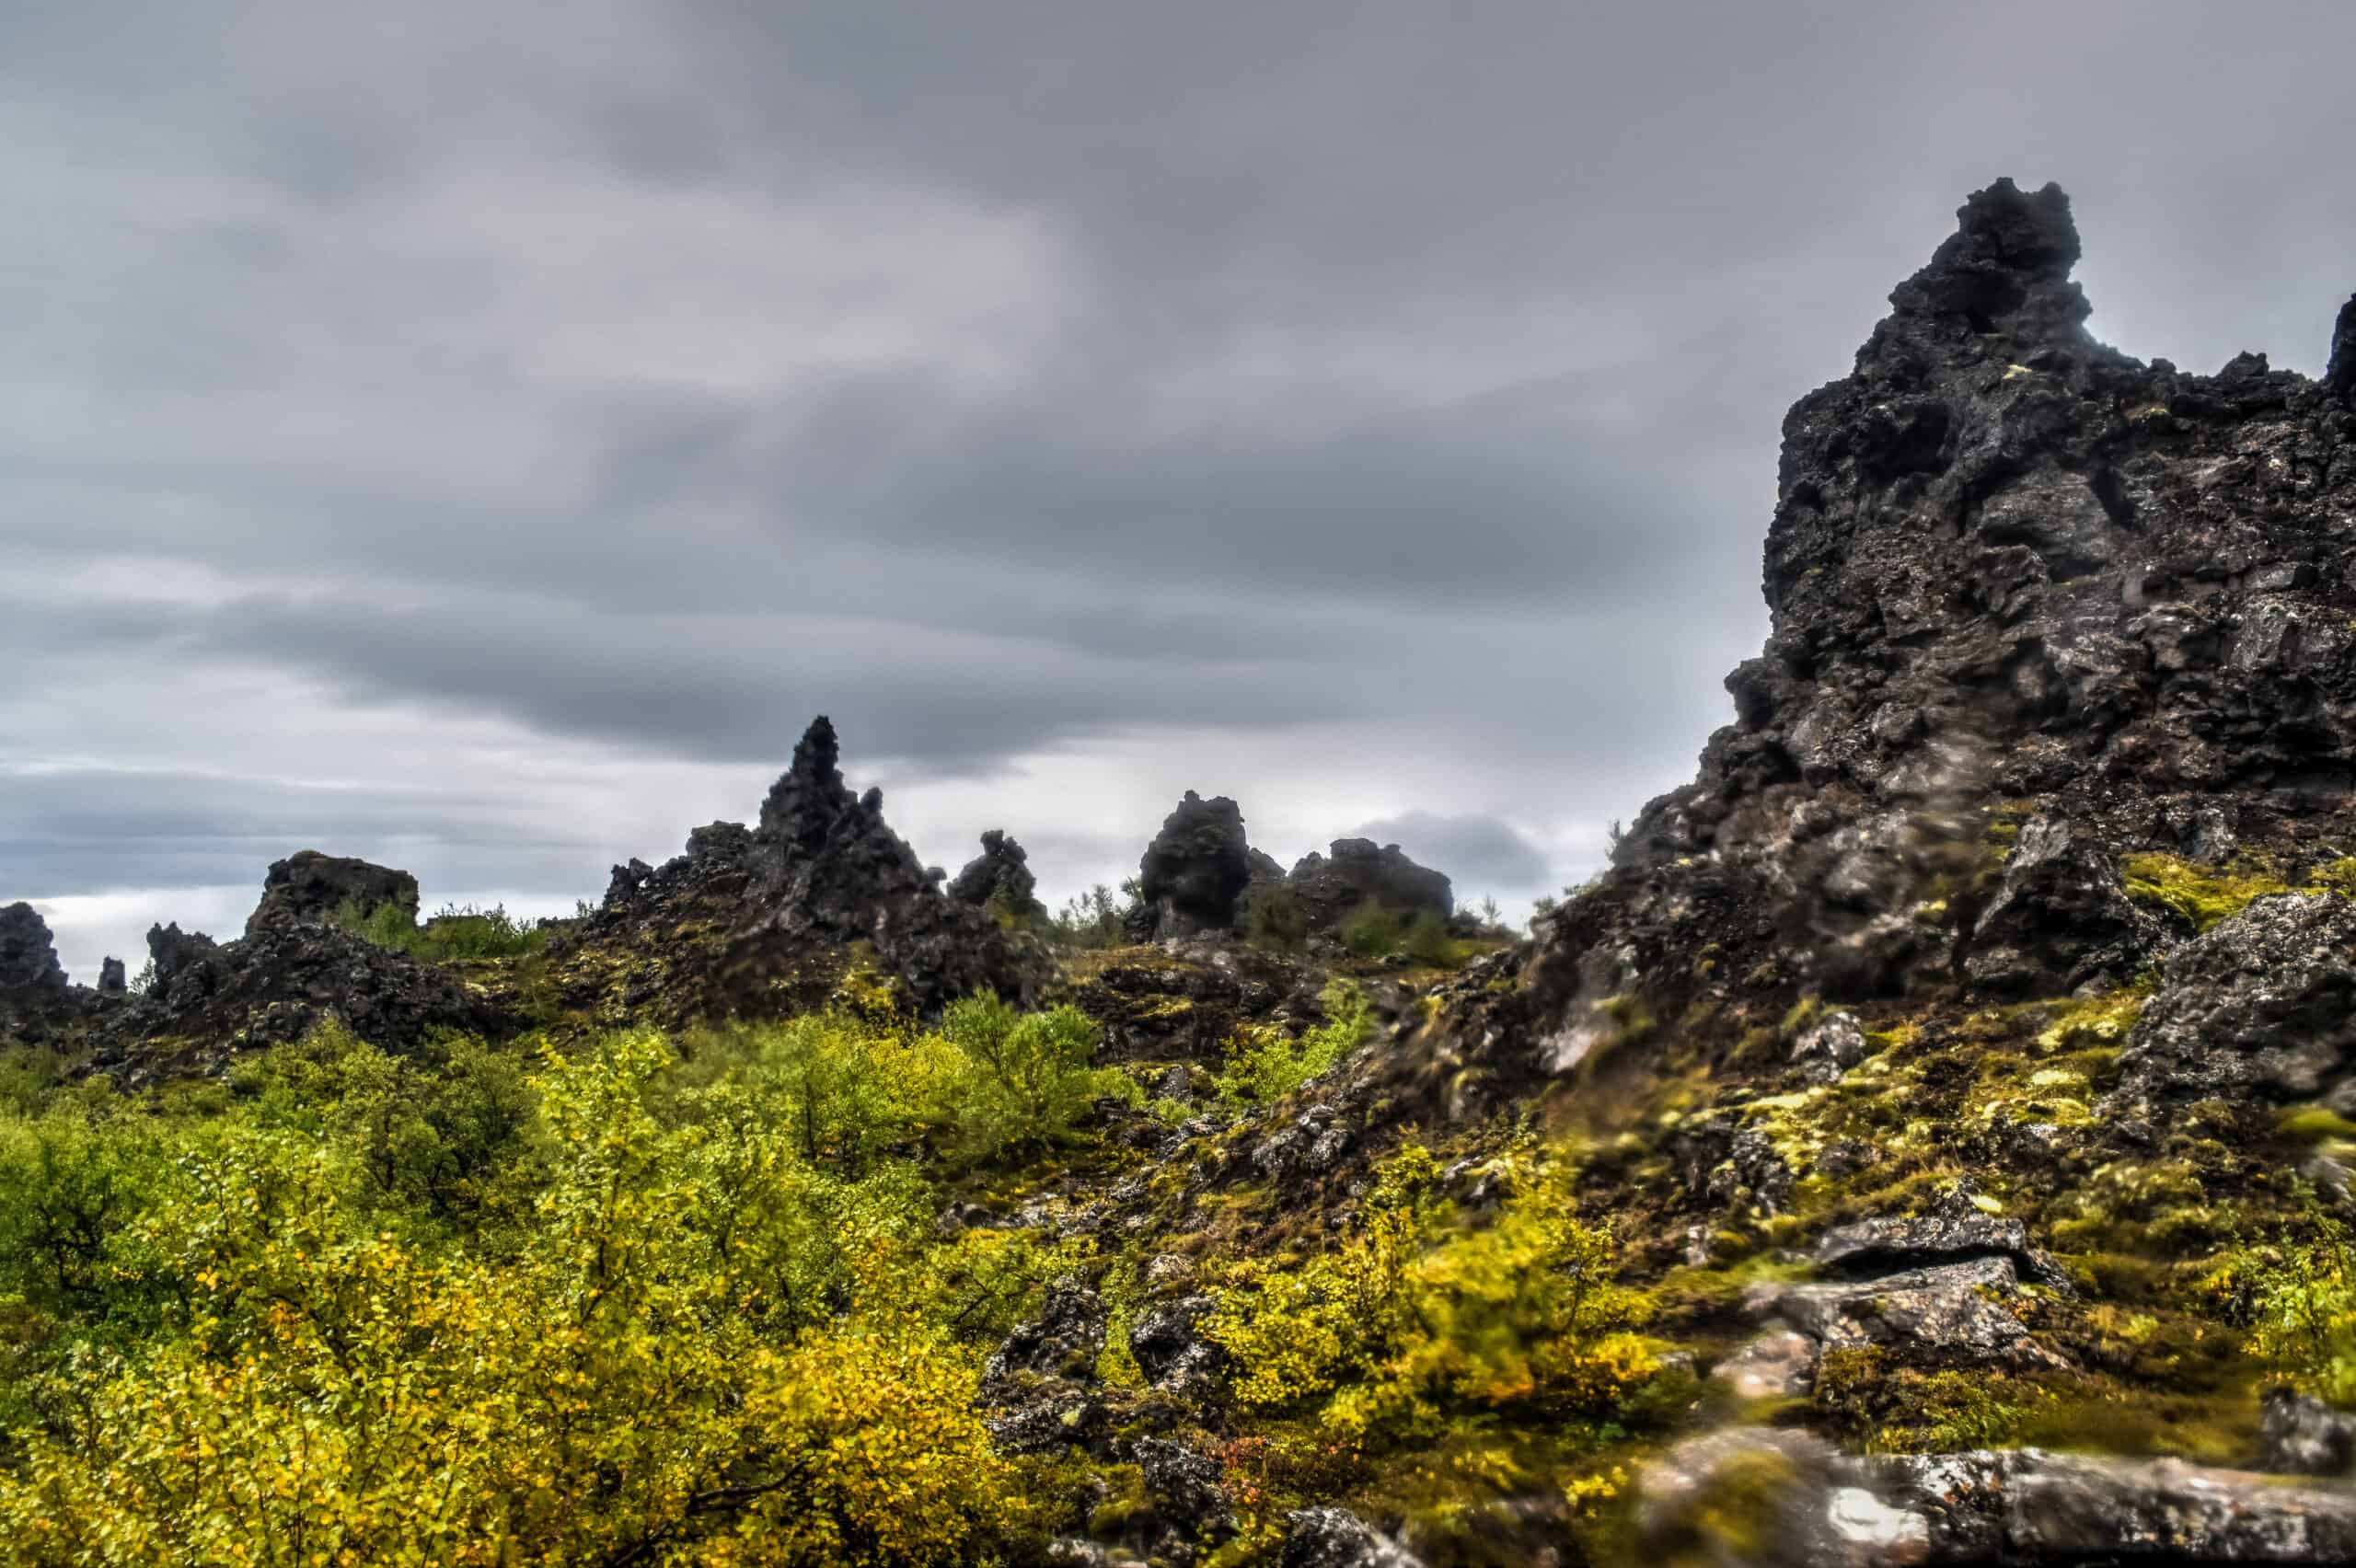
(2340, 375)
(2005, 269)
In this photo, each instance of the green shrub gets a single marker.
(1372, 931)
(1410, 1320)
(454, 934)
(2301, 1292)
(1094, 920)
(1274, 920)
(1034, 1077)
(1427, 940)
(1264, 1063)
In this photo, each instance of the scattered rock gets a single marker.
(1063, 1341)
(2264, 1005)
(1777, 1364)
(1184, 1488)
(1877, 1248)
(2300, 1435)
(1336, 1538)
(1777, 1499)
(1830, 1047)
(1946, 1309)
(1168, 1343)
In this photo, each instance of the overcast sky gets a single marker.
(478, 436)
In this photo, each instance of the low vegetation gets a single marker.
(647, 1301)
(456, 933)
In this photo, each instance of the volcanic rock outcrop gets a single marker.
(34, 994)
(768, 919)
(998, 877)
(1195, 871)
(1198, 870)
(208, 1000)
(1329, 887)
(2036, 607)
(310, 887)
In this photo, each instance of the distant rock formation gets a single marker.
(1195, 871)
(113, 980)
(1329, 887)
(27, 953)
(768, 919)
(998, 877)
(34, 996)
(310, 887)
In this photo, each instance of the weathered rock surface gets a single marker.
(310, 887)
(1168, 1343)
(2061, 917)
(1193, 873)
(998, 878)
(2300, 1435)
(35, 998)
(1336, 1538)
(1777, 1364)
(1330, 887)
(1875, 1248)
(212, 1000)
(2263, 1005)
(1951, 1309)
(768, 919)
(1777, 1499)
(2017, 580)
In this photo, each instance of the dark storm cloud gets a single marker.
(1022, 377)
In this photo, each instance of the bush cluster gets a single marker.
(457, 932)
(1414, 1319)
(1264, 1063)
(648, 1302)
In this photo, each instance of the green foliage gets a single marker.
(1372, 931)
(1410, 1320)
(1096, 920)
(2301, 1292)
(456, 933)
(1274, 920)
(443, 1307)
(1031, 1079)
(1264, 1063)
(1426, 941)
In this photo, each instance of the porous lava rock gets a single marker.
(35, 998)
(311, 887)
(28, 951)
(1193, 875)
(779, 917)
(1357, 872)
(999, 877)
(209, 1000)
(2014, 577)
(2264, 1005)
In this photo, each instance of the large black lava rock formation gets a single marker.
(2036, 606)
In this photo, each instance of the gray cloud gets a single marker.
(412, 410)
(1482, 854)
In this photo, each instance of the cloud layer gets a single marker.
(482, 436)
